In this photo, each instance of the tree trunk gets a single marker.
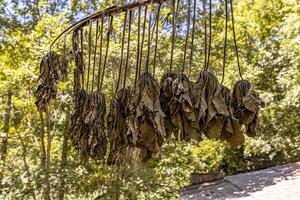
(64, 158)
(45, 179)
(26, 167)
(6, 127)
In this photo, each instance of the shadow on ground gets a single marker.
(281, 182)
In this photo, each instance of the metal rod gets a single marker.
(187, 35)
(122, 53)
(143, 37)
(225, 40)
(210, 35)
(235, 43)
(106, 51)
(149, 39)
(128, 48)
(173, 35)
(89, 57)
(107, 12)
(156, 38)
(193, 36)
(137, 73)
(100, 53)
(95, 53)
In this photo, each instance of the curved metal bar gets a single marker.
(107, 12)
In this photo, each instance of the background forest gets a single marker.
(268, 34)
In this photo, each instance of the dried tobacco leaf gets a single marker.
(49, 76)
(95, 121)
(165, 97)
(231, 131)
(53, 68)
(146, 125)
(246, 104)
(117, 125)
(87, 125)
(182, 109)
(210, 105)
(79, 130)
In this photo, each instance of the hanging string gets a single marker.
(89, 57)
(149, 37)
(65, 57)
(122, 52)
(177, 8)
(210, 35)
(143, 38)
(106, 51)
(173, 34)
(128, 48)
(187, 35)
(137, 73)
(154, 26)
(234, 38)
(95, 53)
(225, 41)
(65, 46)
(82, 51)
(193, 36)
(156, 38)
(205, 34)
(100, 53)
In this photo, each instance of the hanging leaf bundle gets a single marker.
(182, 109)
(51, 71)
(165, 98)
(231, 131)
(246, 104)
(117, 125)
(146, 124)
(87, 125)
(87, 121)
(210, 104)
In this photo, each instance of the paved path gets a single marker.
(275, 183)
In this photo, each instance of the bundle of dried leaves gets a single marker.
(182, 109)
(210, 105)
(51, 71)
(87, 130)
(165, 97)
(117, 125)
(231, 131)
(145, 124)
(246, 104)
(87, 121)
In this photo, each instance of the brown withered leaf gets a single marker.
(246, 104)
(53, 68)
(145, 123)
(95, 120)
(49, 75)
(231, 131)
(87, 125)
(117, 125)
(182, 109)
(165, 97)
(210, 105)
